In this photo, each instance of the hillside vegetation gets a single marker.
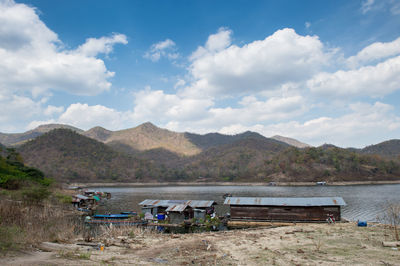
(329, 164)
(145, 137)
(67, 155)
(249, 157)
(15, 139)
(389, 149)
(14, 174)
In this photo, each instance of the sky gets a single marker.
(317, 71)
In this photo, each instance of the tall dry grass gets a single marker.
(24, 224)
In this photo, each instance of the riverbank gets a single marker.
(300, 244)
(154, 184)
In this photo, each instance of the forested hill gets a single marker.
(69, 156)
(388, 149)
(330, 164)
(14, 174)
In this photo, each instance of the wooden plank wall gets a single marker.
(277, 213)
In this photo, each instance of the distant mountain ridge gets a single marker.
(12, 139)
(67, 155)
(290, 141)
(388, 149)
(249, 157)
(144, 137)
(148, 137)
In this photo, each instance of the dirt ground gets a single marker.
(300, 244)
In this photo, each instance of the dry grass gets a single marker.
(24, 224)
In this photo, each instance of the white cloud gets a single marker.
(374, 52)
(253, 110)
(17, 111)
(105, 45)
(179, 83)
(219, 41)
(155, 105)
(366, 6)
(33, 58)
(372, 81)
(260, 65)
(393, 6)
(307, 25)
(52, 110)
(362, 126)
(162, 49)
(86, 116)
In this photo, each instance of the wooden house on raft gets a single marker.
(312, 209)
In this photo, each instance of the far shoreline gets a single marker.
(294, 184)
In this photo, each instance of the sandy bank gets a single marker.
(301, 244)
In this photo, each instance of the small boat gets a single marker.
(129, 213)
(83, 209)
(115, 222)
(111, 216)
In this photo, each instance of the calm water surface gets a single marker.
(364, 202)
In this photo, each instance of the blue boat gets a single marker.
(116, 222)
(129, 213)
(111, 216)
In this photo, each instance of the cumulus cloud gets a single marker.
(361, 126)
(253, 110)
(374, 52)
(215, 43)
(16, 109)
(52, 110)
(86, 116)
(373, 81)
(162, 49)
(155, 105)
(105, 45)
(220, 68)
(33, 58)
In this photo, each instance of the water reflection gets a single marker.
(364, 202)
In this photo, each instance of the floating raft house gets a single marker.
(312, 209)
(198, 208)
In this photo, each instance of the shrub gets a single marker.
(63, 198)
(9, 236)
(36, 194)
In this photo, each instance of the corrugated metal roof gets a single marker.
(79, 196)
(200, 203)
(167, 203)
(177, 208)
(311, 201)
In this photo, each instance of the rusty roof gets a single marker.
(167, 203)
(200, 203)
(310, 201)
(177, 208)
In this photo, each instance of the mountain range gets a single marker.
(148, 153)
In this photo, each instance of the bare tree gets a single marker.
(392, 217)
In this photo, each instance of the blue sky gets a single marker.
(317, 71)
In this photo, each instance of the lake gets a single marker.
(364, 202)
